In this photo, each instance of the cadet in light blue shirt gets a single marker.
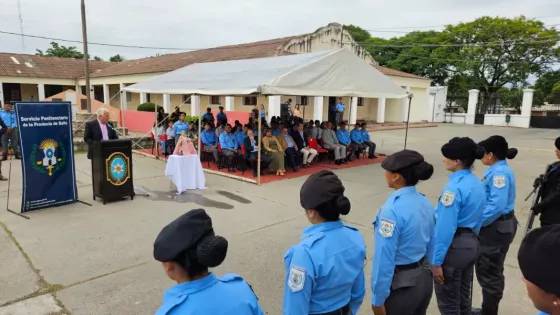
(458, 215)
(499, 224)
(240, 135)
(187, 247)
(539, 259)
(401, 278)
(325, 271)
(180, 126)
(344, 138)
(11, 134)
(367, 141)
(229, 147)
(339, 111)
(210, 141)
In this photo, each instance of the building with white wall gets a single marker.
(107, 79)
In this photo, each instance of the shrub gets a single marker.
(147, 107)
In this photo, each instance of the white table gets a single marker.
(185, 172)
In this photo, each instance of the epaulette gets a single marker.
(351, 227)
(230, 277)
(310, 240)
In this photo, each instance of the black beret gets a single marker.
(402, 159)
(182, 234)
(319, 188)
(460, 148)
(539, 258)
(495, 144)
(557, 143)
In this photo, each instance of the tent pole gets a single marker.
(199, 127)
(407, 118)
(259, 143)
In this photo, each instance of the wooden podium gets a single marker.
(111, 170)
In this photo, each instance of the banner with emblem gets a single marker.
(45, 139)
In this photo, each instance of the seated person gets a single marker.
(210, 141)
(274, 151)
(219, 130)
(170, 132)
(239, 135)
(290, 149)
(330, 142)
(367, 141)
(357, 140)
(229, 147)
(300, 138)
(251, 152)
(344, 138)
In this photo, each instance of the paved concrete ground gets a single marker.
(98, 260)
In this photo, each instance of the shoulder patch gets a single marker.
(447, 198)
(386, 228)
(230, 277)
(296, 278)
(499, 181)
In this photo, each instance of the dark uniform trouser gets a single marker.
(356, 149)
(411, 290)
(371, 146)
(341, 311)
(230, 155)
(494, 240)
(454, 296)
(13, 137)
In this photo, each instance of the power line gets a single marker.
(481, 44)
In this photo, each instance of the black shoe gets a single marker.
(18, 156)
(476, 311)
(305, 166)
(230, 169)
(373, 157)
(345, 161)
(255, 174)
(337, 162)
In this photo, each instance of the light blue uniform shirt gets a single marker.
(460, 205)
(9, 118)
(403, 232)
(356, 136)
(254, 144)
(289, 141)
(340, 107)
(343, 136)
(208, 137)
(365, 135)
(325, 271)
(179, 127)
(227, 141)
(499, 182)
(239, 137)
(542, 313)
(211, 295)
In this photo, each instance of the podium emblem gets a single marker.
(117, 168)
(52, 158)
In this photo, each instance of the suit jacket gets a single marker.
(93, 134)
(299, 141)
(248, 146)
(284, 143)
(329, 138)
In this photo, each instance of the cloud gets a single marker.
(210, 23)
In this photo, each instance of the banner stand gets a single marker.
(8, 196)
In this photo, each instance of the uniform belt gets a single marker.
(413, 265)
(506, 216)
(345, 310)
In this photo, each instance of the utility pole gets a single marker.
(86, 56)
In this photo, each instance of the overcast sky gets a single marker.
(210, 23)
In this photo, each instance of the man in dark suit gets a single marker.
(100, 129)
(300, 138)
(251, 152)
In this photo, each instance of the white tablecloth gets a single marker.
(185, 172)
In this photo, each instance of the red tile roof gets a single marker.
(397, 73)
(20, 65)
(165, 63)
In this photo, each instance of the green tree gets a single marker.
(116, 58)
(544, 86)
(57, 50)
(554, 97)
(97, 58)
(358, 34)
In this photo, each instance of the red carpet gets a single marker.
(268, 178)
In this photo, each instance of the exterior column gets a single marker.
(471, 107)
(41, 88)
(143, 98)
(1, 94)
(195, 105)
(167, 103)
(78, 90)
(527, 103)
(353, 110)
(92, 93)
(230, 104)
(404, 106)
(318, 108)
(123, 97)
(273, 106)
(381, 110)
(106, 96)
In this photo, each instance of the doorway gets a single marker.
(332, 109)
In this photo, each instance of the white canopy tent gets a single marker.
(326, 73)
